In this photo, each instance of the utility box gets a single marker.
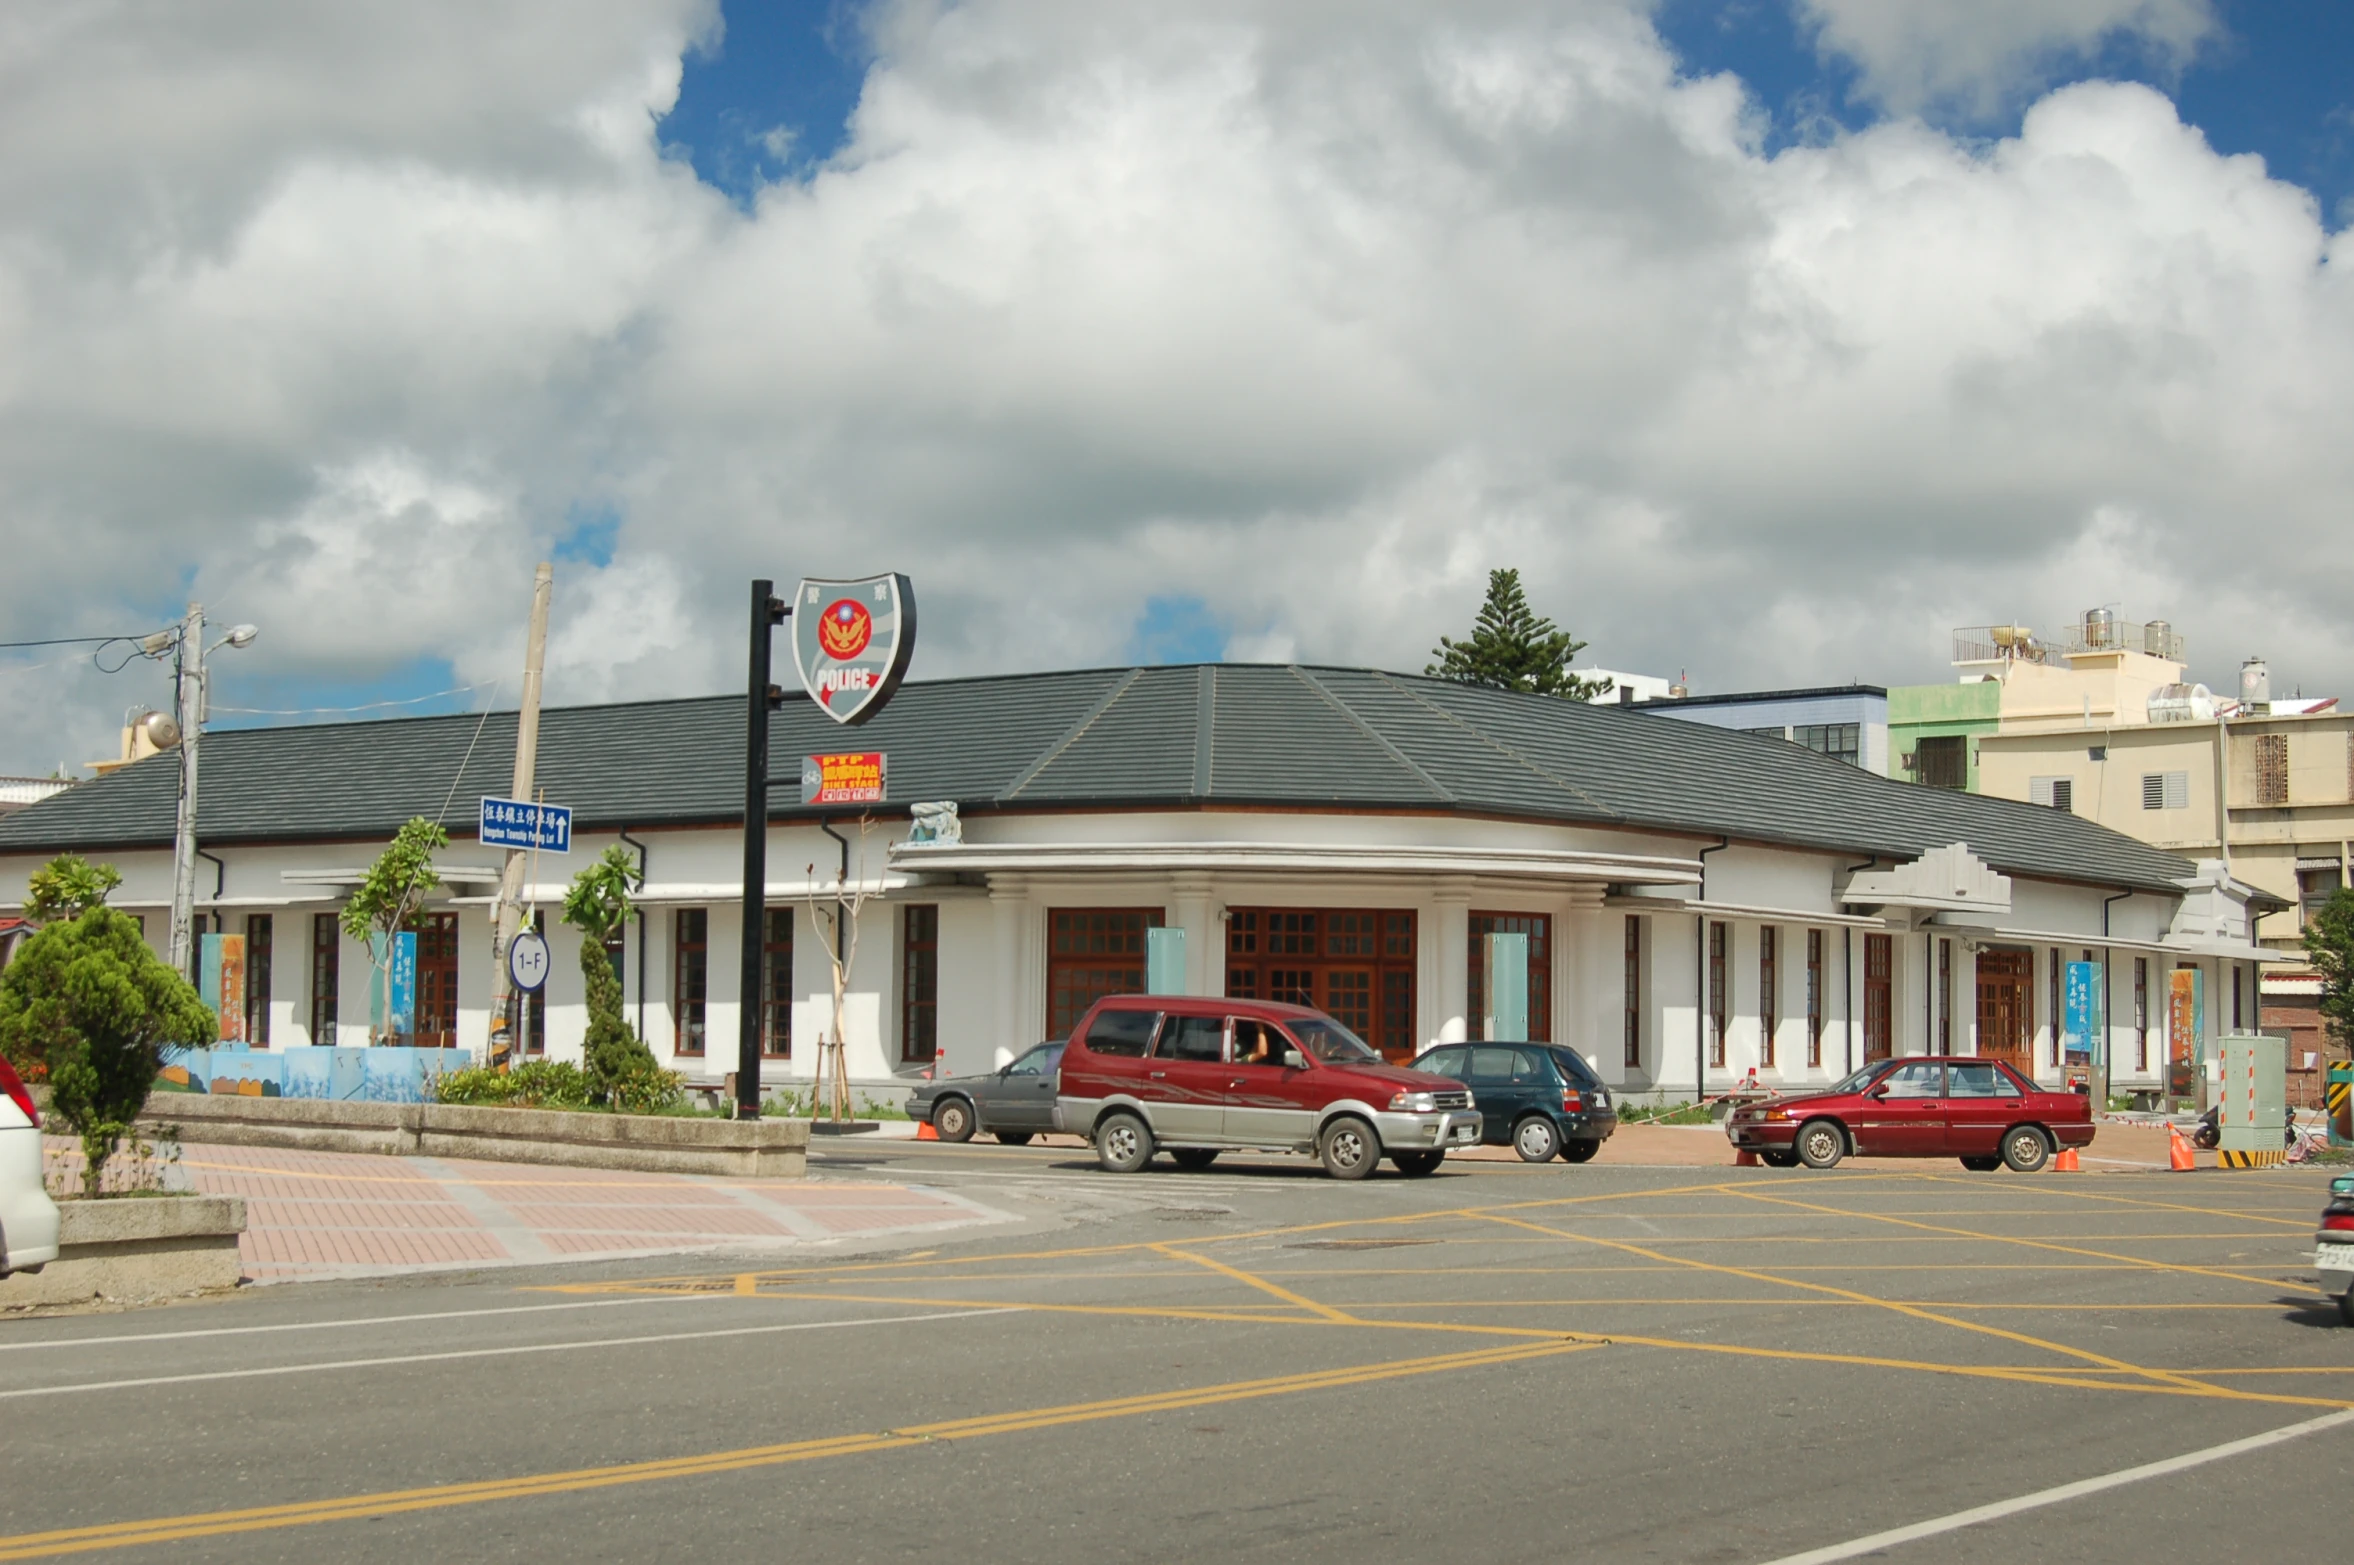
(2254, 1114)
(1164, 961)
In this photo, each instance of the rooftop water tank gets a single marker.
(2255, 683)
(2100, 627)
(2182, 704)
(2157, 639)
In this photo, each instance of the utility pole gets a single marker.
(188, 709)
(510, 912)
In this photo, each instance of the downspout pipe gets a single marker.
(195, 946)
(1700, 980)
(641, 847)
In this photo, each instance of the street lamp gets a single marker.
(190, 702)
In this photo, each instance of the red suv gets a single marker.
(1197, 1077)
(1928, 1106)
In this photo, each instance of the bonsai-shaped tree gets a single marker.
(1512, 648)
(2329, 946)
(598, 905)
(86, 999)
(388, 897)
(66, 887)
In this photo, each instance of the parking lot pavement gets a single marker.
(315, 1215)
(1515, 1363)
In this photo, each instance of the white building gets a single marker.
(1699, 903)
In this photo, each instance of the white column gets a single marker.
(1195, 911)
(1585, 991)
(1450, 933)
(1009, 903)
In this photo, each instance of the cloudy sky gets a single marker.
(1771, 339)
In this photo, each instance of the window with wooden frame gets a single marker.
(1356, 965)
(2141, 1013)
(2272, 768)
(1092, 952)
(437, 981)
(1879, 997)
(919, 983)
(326, 976)
(776, 984)
(258, 928)
(1719, 998)
(1945, 997)
(1814, 999)
(1769, 1017)
(1539, 929)
(1633, 1056)
(2055, 1007)
(690, 979)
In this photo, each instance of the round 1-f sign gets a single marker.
(527, 961)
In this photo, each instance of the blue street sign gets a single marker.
(2083, 1010)
(511, 823)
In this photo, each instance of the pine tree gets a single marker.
(598, 905)
(1513, 648)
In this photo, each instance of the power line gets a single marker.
(365, 706)
(65, 641)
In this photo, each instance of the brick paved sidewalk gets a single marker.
(334, 1214)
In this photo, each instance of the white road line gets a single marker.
(484, 1353)
(2064, 1493)
(358, 1320)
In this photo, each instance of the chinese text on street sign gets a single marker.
(512, 823)
(2083, 1010)
(844, 779)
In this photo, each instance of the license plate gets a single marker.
(2334, 1257)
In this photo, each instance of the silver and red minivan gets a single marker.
(1195, 1077)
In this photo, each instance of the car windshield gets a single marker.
(1861, 1079)
(1037, 1062)
(1329, 1041)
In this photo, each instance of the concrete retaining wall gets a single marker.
(133, 1250)
(765, 1148)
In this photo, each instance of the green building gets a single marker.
(1930, 728)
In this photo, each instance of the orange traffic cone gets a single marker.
(2178, 1152)
(925, 1132)
(2065, 1163)
(1744, 1158)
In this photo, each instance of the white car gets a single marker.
(28, 1218)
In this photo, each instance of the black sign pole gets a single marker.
(759, 697)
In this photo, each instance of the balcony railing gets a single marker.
(2018, 644)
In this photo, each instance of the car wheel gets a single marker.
(1195, 1157)
(2345, 1307)
(953, 1118)
(1579, 1151)
(1013, 1138)
(1821, 1143)
(1350, 1148)
(1982, 1165)
(1535, 1139)
(1122, 1144)
(1778, 1159)
(2026, 1148)
(1416, 1164)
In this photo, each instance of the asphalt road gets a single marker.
(1497, 1363)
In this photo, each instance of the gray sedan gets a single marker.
(1013, 1102)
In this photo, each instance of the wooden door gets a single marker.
(437, 981)
(2006, 1009)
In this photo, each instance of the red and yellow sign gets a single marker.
(852, 778)
(845, 629)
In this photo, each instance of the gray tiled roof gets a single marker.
(1229, 733)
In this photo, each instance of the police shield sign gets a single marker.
(851, 641)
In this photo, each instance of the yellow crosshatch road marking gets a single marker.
(171, 1529)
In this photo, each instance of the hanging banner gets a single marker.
(2083, 982)
(401, 980)
(852, 641)
(221, 982)
(2184, 991)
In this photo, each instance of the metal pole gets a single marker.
(510, 910)
(188, 697)
(759, 697)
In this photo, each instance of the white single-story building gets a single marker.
(1699, 904)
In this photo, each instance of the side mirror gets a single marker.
(1877, 1092)
(1293, 1059)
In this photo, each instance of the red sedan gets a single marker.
(1932, 1106)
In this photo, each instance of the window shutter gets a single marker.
(2153, 791)
(2064, 794)
(2178, 790)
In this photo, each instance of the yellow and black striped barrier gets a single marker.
(2338, 1098)
(2271, 1157)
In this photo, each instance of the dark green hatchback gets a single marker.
(1540, 1099)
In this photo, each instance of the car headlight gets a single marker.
(1414, 1103)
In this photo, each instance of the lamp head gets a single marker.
(242, 635)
